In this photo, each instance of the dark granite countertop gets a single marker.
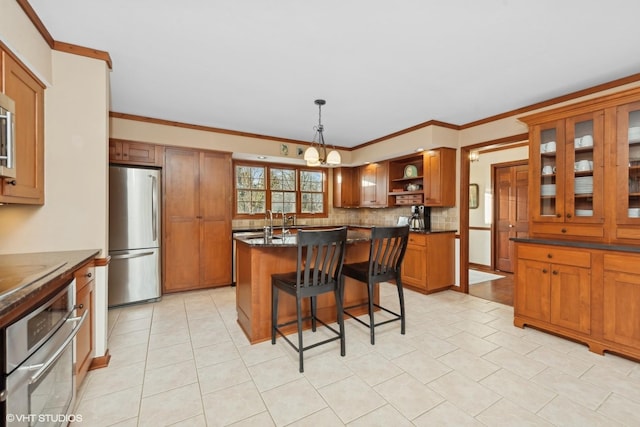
(23, 268)
(290, 240)
(585, 245)
(353, 236)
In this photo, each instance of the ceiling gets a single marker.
(383, 66)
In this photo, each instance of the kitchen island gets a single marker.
(258, 259)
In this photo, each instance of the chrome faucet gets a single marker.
(268, 228)
(284, 223)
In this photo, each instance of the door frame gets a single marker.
(494, 214)
(465, 163)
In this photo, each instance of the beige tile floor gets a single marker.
(184, 361)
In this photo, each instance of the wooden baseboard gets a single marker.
(100, 362)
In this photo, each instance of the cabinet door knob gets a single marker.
(12, 182)
(555, 272)
(568, 215)
(80, 306)
(544, 270)
(558, 215)
(89, 275)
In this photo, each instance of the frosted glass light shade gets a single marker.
(311, 155)
(333, 158)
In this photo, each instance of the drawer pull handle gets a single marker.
(549, 256)
(564, 230)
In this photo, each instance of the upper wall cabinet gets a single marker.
(135, 153)
(585, 170)
(346, 187)
(373, 181)
(18, 84)
(428, 178)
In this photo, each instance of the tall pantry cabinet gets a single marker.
(197, 219)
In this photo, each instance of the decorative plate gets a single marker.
(410, 171)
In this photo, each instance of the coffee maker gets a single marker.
(420, 218)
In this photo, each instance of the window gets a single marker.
(250, 189)
(280, 188)
(311, 191)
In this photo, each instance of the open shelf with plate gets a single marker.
(406, 180)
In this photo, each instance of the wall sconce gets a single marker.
(474, 156)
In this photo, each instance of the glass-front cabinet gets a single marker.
(628, 165)
(567, 170)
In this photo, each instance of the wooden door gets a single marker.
(182, 222)
(511, 186)
(215, 212)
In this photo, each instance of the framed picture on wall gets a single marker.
(473, 196)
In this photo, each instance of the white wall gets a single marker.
(480, 173)
(74, 215)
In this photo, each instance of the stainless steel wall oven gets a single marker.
(39, 366)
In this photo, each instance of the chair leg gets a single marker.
(313, 313)
(300, 346)
(401, 298)
(274, 313)
(340, 320)
(371, 320)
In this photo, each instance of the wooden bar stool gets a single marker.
(388, 245)
(319, 267)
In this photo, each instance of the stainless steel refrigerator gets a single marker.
(134, 235)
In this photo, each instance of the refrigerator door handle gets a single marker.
(130, 255)
(154, 212)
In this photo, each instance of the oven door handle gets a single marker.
(43, 367)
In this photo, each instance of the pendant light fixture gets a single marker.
(317, 154)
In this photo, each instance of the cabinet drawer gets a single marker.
(84, 275)
(622, 263)
(555, 255)
(417, 239)
(578, 230)
(628, 233)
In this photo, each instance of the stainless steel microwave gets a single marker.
(7, 137)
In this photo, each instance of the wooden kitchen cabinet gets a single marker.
(554, 286)
(567, 176)
(346, 187)
(135, 153)
(627, 164)
(374, 181)
(197, 219)
(584, 179)
(28, 93)
(406, 180)
(85, 287)
(621, 294)
(429, 262)
(440, 177)
(586, 292)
